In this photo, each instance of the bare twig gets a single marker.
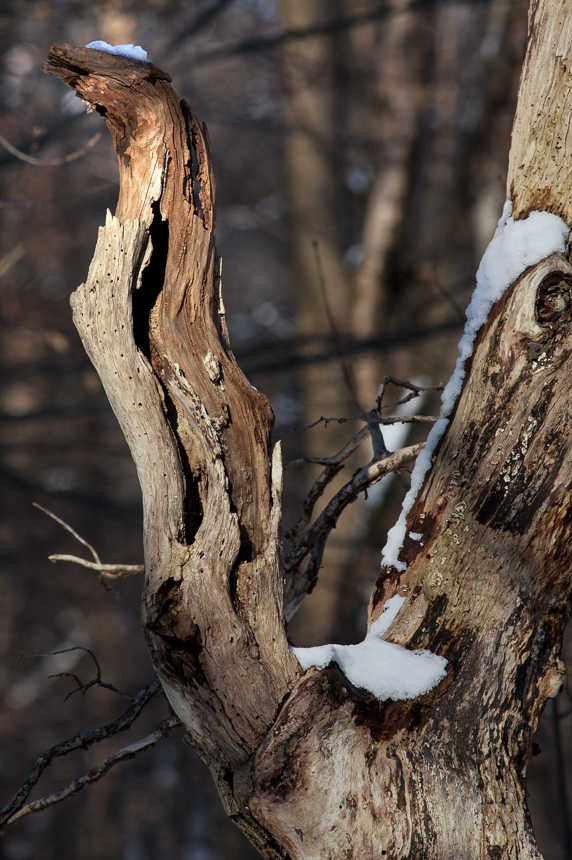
(83, 688)
(53, 162)
(108, 572)
(342, 455)
(327, 520)
(70, 530)
(111, 571)
(394, 419)
(83, 740)
(333, 465)
(373, 419)
(400, 383)
(98, 771)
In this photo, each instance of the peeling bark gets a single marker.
(308, 766)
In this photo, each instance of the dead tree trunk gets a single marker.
(308, 765)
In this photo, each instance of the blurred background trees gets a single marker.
(360, 149)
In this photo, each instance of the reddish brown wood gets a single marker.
(309, 766)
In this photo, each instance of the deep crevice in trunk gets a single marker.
(152, 279)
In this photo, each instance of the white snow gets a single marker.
(515, 246)
(132, 52)
(386, 669)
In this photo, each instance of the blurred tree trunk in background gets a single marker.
(316, 120)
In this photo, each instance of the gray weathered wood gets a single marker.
(307, 765)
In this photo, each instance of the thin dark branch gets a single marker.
(309, 578)
(447, 295)
(98, 771)
(53, 162)
(369, 419)
(316, 492)
(333, 465)
(70, 530)
(342, 455)
(346, 22)
(327, 520)
(400, 383)
(83, 688)
(83, 740)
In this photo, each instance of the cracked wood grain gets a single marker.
(308, 766)
(151, 318)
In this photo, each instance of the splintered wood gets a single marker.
(307, 765)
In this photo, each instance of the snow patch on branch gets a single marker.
(515, 246)
(387, 670)
(131, 52)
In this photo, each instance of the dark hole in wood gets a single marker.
(194, 511)
(195, 174)
(144, 300)
(151, 281)
(554, 298)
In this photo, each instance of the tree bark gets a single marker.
(309, 766)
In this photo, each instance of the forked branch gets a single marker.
(96, 772)
(108, 572)
(83, 740)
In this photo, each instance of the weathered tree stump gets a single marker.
(307, 765)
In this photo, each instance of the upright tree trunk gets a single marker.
(309, 765)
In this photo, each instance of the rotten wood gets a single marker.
(151, 318)
(540, 136)
(307, 765)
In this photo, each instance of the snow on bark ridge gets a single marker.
(386, 669)
(131, 52)
(515, 246)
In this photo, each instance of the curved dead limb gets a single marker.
(97, 772)
(485, 550)
(83, 740)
